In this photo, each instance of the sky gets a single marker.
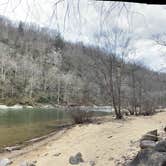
(83, 20)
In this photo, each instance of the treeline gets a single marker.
(38, 66)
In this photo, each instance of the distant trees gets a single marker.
(21, 28)
(111, 65)
(39, 66)
(143, 94)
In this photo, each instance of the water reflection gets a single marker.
(19, 125)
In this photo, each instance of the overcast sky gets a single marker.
(144, 20)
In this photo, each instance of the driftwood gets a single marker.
(39, 138)
(48, 135)
(12, 148)
(34, 140)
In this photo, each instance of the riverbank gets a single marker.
(19, 106)
(106, 143)
(50, 106)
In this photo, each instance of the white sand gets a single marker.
(104, 143)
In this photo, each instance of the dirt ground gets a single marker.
(107, 143)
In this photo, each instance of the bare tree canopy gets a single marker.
(39, 66)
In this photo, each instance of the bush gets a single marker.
(147, 109)
(27, 101)
(80, 116)
(19, 100)
(43, 99)
(10, 101)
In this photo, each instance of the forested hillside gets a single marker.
(38, 66)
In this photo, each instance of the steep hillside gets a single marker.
(37, 65)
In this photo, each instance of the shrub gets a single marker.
(19, 100)
(80, 116)
(27, 101)
(43, 99)
(10, 101)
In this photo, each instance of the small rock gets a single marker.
(165, 129)
(147, 144)
(92, 163)
(5, 162)
(28, 163)
(79, 157)
(161, 146)
(73, 160)
(57, 154)
(149, 137)
(76, 159)
(109, 137)
(153, 132)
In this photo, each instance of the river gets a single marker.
(17, 126)
(20, 125)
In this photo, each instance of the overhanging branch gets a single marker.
(157, 2)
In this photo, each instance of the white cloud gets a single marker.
(145, 20)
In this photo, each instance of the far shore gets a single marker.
(19, 106)
(50, 106)
(106, 142)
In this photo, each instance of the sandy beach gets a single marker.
(106, 143)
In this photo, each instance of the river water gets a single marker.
(20, 125)
(17, 126)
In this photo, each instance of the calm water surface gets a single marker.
(17, 126)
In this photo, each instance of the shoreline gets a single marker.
(105, 143)
(65, 127)
(33, 145)
(36, 142)
(19, 106)
(51, 106)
